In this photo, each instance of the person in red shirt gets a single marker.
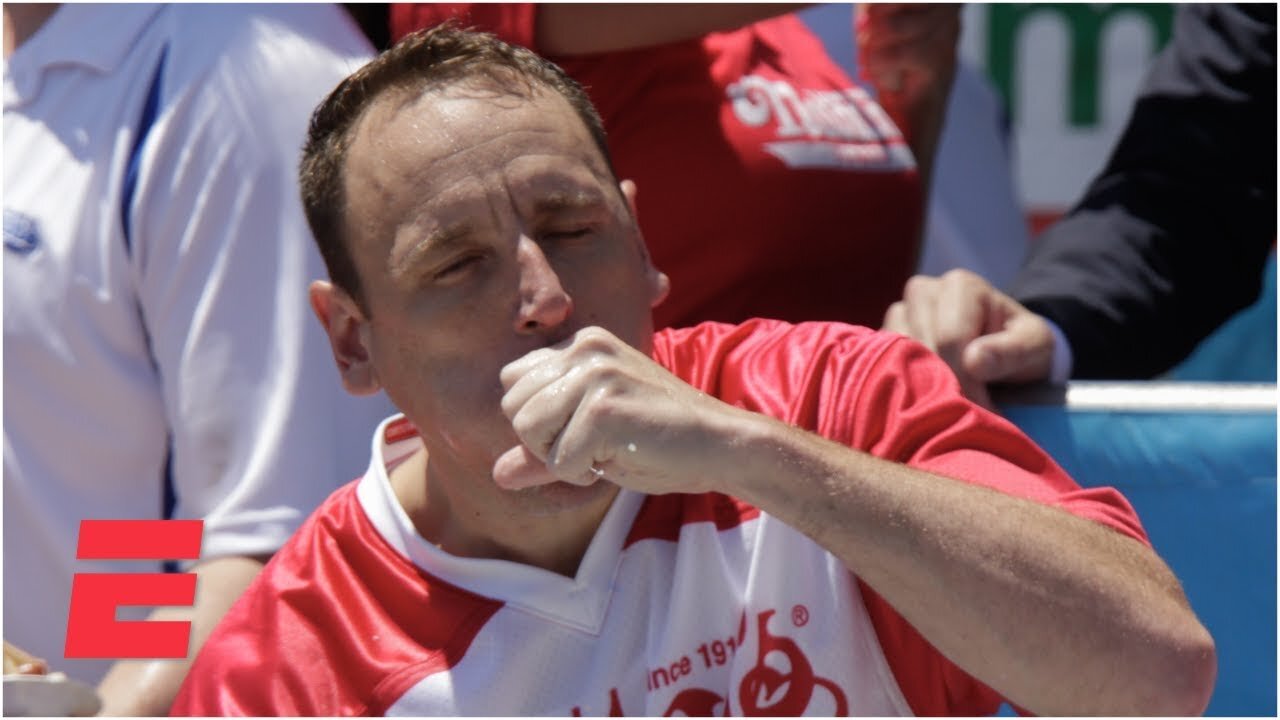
(576, 514)
(774, 185)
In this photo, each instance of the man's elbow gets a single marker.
(1184, 680)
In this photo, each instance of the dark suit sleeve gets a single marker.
(1172, 237)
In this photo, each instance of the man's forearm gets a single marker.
(148, 687)
(1057, 613)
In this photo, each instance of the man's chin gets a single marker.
(556, 497)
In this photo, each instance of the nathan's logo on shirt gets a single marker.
(781, 682)
(766, 690)
(830, 129)
(21, 232)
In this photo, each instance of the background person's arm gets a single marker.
(908, 52)
(566, 29)
(571, 29)
(1172, 237)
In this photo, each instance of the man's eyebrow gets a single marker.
(572, 199)
(437, 240)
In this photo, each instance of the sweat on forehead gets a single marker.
(493, 83)
(503, 92)
(409, 159)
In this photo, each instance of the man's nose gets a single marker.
(543, 301)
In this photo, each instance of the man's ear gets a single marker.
(628, 188)
(345, 323)
(659, 283)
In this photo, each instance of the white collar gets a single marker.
(579, 602)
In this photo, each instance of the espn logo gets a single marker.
(92, 628)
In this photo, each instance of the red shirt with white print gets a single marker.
(770, 183)
(697, 604)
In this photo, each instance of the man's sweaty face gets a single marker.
(484, 226)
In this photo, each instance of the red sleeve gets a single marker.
(257, 662)
(909, 409)
(512, 22)
(883, 394)
(889, 396)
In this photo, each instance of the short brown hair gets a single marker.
(425, 60)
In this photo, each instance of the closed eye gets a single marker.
(571, 234)
(457, 267)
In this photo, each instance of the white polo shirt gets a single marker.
(156, 324)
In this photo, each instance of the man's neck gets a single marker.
(497, 524)
(22, 20)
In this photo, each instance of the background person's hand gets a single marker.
(983, 334)
(594, 401)
(20, 662)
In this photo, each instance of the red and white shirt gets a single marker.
(692, 604)
(770, 184)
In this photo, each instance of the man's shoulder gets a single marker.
(335, 590)
(776, 334)
(760, 350)
(341, 569)
(325, 549)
